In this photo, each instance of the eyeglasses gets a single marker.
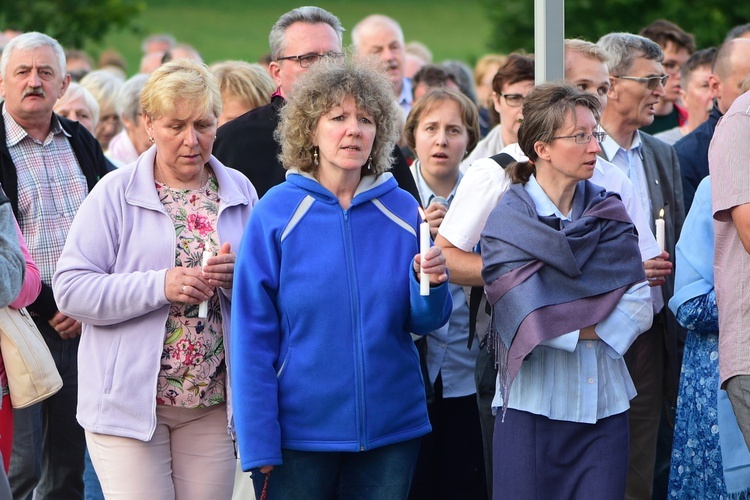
(512, 100)
(583, 138)
(651, 82)
(306, 60)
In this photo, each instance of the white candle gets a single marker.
(660, 228)
(424, 246)
(203, 307)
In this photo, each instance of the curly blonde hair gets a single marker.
(325, 85)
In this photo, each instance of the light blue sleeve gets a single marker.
(567, 342)
(632, 316)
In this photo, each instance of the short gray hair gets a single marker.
(586, 49)
(30, 41)
(373, 20)
(104, 86)
(129, 97)
(309, 15)
(737, 32)
(624, 48)
(76, 91)
(165, 38)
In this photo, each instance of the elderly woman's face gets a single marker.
(76, 110)
(109, 126)
(344, 137)
(184, 138)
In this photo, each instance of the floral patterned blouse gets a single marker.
(193, 369)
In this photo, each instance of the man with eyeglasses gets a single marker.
(300, 38)
(485, 182)
(677, 46)
(637, 83)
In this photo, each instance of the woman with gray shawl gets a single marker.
(563, 273)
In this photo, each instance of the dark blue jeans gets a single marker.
(48, 443)
(381, 474)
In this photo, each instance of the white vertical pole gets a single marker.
(549, 34)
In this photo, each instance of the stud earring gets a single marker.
(315, 156)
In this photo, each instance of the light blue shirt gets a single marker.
(405, 97)
(446, 347)
(581, 380)
(631, 163)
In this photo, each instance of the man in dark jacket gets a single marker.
(299, 38)
(48, 165)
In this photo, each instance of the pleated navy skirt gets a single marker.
(538, 458)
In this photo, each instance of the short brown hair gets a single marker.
(516, 68)
(545, 110)
(662, 31)
(433, 99)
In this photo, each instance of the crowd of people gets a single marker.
(355, 272)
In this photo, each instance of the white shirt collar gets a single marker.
(425, 193)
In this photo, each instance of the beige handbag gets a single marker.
(32, 374)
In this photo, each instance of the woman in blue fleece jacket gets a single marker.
(329, 392)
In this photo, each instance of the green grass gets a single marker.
(237, 29)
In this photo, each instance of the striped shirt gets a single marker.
(729, 164)
(51, 187)
(581, 380)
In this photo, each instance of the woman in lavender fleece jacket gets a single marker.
(153, 379)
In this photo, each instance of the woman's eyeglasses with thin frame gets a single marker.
(583, 138)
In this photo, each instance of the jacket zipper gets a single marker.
(356, 328)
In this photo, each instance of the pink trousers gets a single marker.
(190, 456)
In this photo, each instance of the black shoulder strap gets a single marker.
(503, 159)
(475, 297)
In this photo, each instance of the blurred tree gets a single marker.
(708, 20)
(71, 22)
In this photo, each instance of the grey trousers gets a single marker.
(738, 390)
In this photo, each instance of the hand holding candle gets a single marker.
(203, 307)
(424, 246)
(660, 230)
(431, 261)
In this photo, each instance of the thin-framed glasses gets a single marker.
(651, 82)
(513, 100)
(306, 60)
(583, 138)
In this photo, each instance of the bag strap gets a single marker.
(475, 296)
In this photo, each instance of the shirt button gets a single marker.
(591, 381)
(588, 344)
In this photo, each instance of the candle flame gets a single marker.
(661, 213)
(424, 217)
